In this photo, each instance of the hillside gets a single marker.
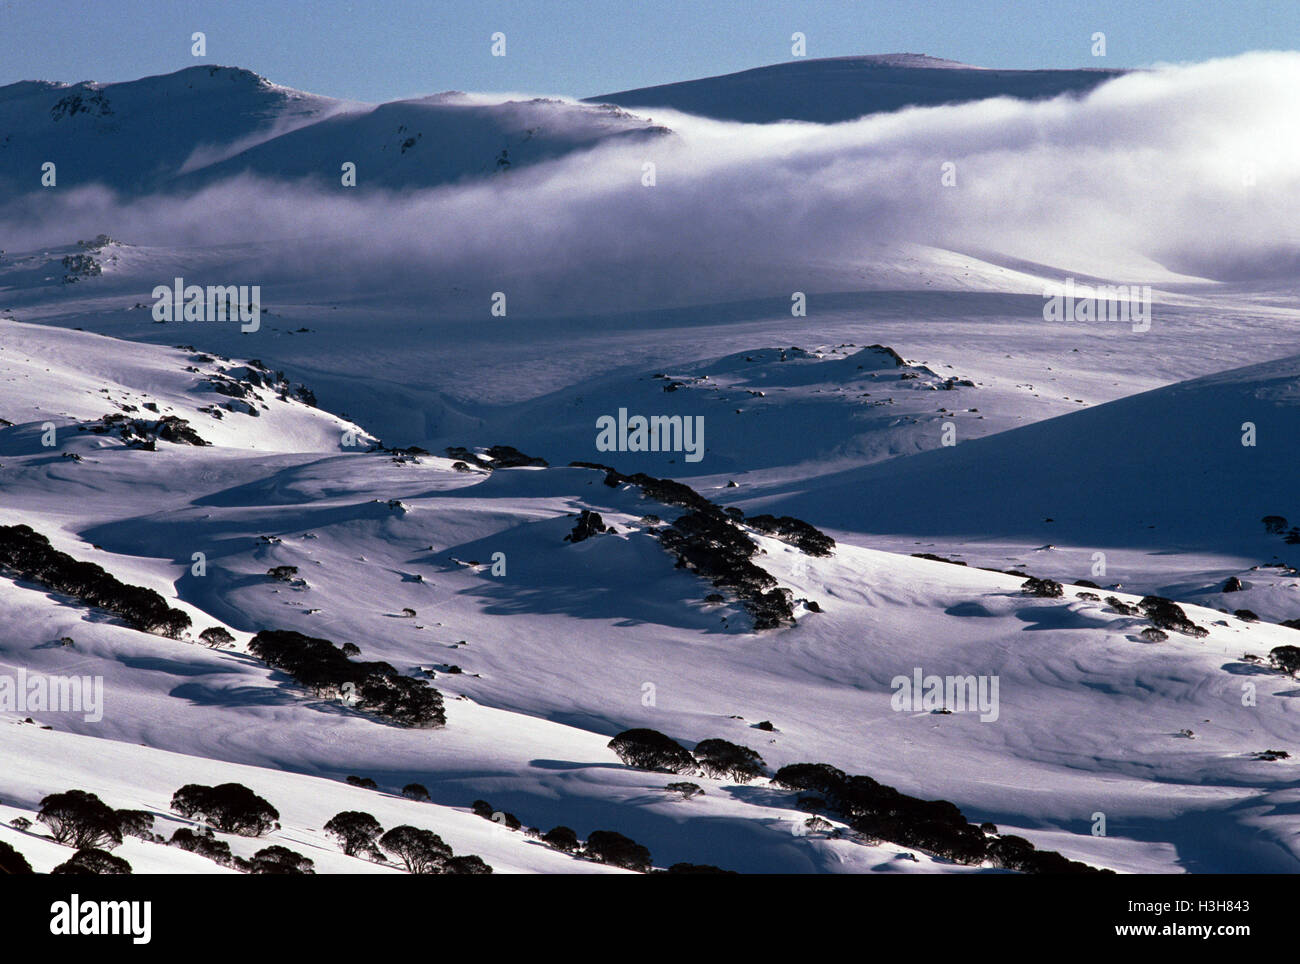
(833, 89)
(197, 126)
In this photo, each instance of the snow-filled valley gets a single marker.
(425, 445)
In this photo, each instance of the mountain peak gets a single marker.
(830, 90)
(923, 61)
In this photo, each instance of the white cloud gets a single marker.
(1192, 167)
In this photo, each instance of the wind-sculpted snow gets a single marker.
(542, 661)
(1201, 462)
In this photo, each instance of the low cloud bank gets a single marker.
(1188, 167)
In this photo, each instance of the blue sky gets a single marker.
(383, 49)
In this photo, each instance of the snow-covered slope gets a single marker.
(431, 141)
(553, 656)
(136, 136)
(202, 124)
(1165, 491)
(1193, 466)
(831, 89)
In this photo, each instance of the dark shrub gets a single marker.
(935, 558)
(1086, 584)
(707, 542)
(468, 864)
(819, 777)
(402, 700)
(589, 524)
(1050, 862)
(364, 783)
(229, 807)
(650, 750)
(495, 456)
(718, 759)
(1122, 607)
(1153, 635)
(1011, 852)
(936, 826)
(807, 538)
(685, 788)
(30, 555)
(311, 660)
(1285, 658)
(506, 819)
(280, 860)
(613, 848)
(355, 831)
(863, 797)
(1046, 588)
(1166, 614)
(324, 669)
(203, 844)
(89, 861)
(509, 457)
(415, 791)
(420, 851)
(12, 862)
(1247, 615)
(81, 820)
(136, 823)
(1233, 584)
(1274, 524)
(771, 609)
(667, 491)
(963, 844)
(483, 809)
(562, 838)
(216, 637)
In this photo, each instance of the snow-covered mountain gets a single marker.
(203, 124)
(831, 89)
(718, 433)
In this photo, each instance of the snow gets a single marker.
(123, 135)
(1130, 443)
(831, 89)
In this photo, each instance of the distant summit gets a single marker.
(908, 60)
(834, 89)
(190, 128)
